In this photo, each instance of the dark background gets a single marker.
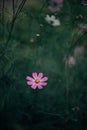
(62, 104)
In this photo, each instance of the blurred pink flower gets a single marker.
(69, 61)
(37, 80)
(78, 51)
(55, 5)
(84, 2)
(82, 26)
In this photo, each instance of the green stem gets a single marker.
(12, 24)
(43, 6)
(67, 88)
(13, 4)
(3, 6)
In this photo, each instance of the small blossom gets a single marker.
(84, 2)
(79, 17)
(69, 61)
(31, 40)
(55, 5)
(52, 20)
(38, 35)
(76, 108)
(37, 80)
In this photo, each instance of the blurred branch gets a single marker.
(14, 19)
(3, 6)
(13, 22)
(19, 9)
(13, 5)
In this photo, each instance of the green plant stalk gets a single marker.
(12, 25)
(13, 5)
(3, 6)
(43, 6)
(67, 89)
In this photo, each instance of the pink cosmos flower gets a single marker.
(55, 5)
(84, 2)
(37, 80)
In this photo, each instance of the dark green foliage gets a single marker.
(61, 105)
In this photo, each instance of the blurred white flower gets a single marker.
(52, 20)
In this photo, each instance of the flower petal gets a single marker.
(44, 79)
(40, 75)
(29, 78)
(34, 86)
(34, 75)
(47, 18)
(53, 17)
(29, 82)
(56, 23)
(43, 83)
(39, 86)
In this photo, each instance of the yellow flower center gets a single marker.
(37, 81)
